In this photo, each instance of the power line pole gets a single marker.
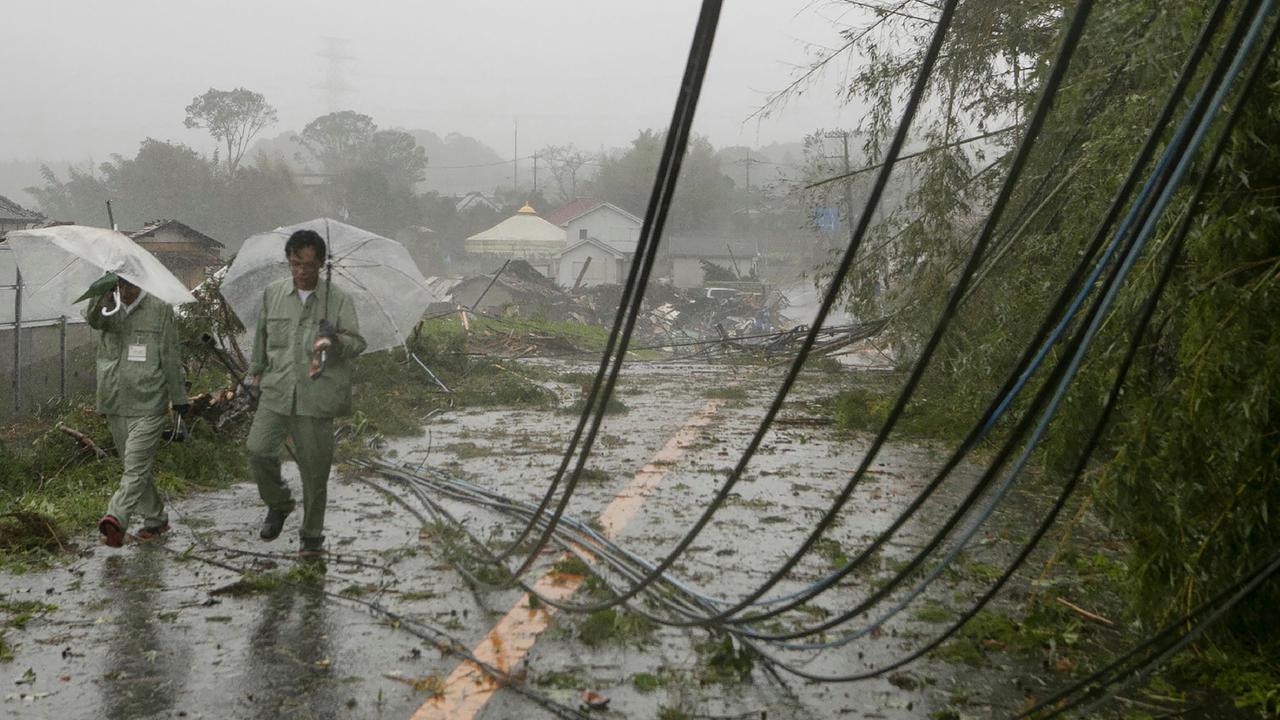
(515, 156)
(746, 163)
(848, 181)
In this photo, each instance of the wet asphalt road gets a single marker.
(158, 632)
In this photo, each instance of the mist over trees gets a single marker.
(395, 181)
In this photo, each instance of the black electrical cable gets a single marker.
(1148, 311)
(1104, 416)
(638, 277)
(753, 618)
(881, 179)
(1069, 43)
(974, 435)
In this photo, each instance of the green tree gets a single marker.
(171, 181)
(703, 200)
(1189, 470)
(234, 117)
(338, 140)
(371, 173)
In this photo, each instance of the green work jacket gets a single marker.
(139, 366)
(282, 350)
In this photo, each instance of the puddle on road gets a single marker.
(149, 632)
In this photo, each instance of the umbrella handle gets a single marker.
(108, 313)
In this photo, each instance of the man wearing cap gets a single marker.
(139, 372)
(306, 341)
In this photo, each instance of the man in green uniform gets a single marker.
(300, 396)
(139, 373)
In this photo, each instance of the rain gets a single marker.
(753, 359)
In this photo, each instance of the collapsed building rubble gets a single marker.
(670, 318)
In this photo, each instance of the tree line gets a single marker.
(346, 166)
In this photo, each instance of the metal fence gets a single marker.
(41, 358)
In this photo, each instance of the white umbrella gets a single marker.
(59, 263)
(378, 274)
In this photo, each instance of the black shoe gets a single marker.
(311, 547)
(273, 523)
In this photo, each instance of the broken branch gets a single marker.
(85, 441)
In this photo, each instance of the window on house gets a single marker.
(582, 234)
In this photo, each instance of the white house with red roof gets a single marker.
(600, 237)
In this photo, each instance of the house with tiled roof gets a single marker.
(584, 218)
(188, 253)
(15, 217)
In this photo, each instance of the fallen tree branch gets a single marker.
(1084, 613)
(85, 441)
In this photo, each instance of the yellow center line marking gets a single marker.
(469, 687)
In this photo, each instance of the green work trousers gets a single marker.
(313, 444)
(137, 439)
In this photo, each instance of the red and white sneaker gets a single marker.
(147, 534)
(111, 531)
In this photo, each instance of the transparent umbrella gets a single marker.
(378, 274)
(59, 263)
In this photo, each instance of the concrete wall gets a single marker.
(42, 365)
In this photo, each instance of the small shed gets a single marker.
(604, 264)
(686, 253)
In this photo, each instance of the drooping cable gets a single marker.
(646, 251)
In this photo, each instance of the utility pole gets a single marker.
(746, 163)
(535, 173)
(848, 181)
(515, 156)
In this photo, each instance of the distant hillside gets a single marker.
(459, 164)
(456, 164)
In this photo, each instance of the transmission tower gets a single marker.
(335, 88)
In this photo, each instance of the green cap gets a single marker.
(99, 287)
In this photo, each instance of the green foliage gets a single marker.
(703, 202)
(1047, 630)
(169, 180)
(1253, 681)
(612, 626)
(233, 116)
(723, 662)
(1188, 471)
(646, 682)
(729, 392)
(52, 478)
(561, 681)
(393, 393)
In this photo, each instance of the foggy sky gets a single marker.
(86, 78)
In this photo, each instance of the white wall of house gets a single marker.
(605, 268)
(604, 224)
